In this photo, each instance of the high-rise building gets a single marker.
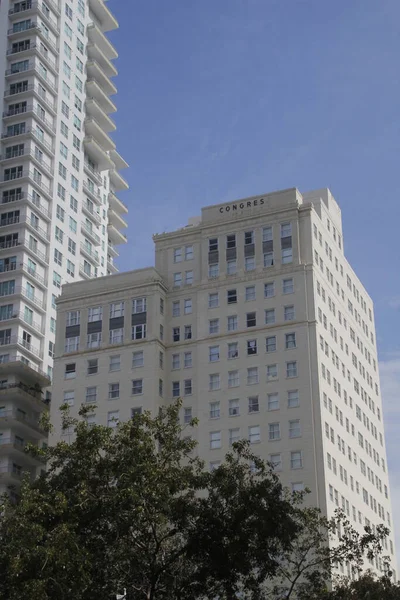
(60, 218)
(254, 317)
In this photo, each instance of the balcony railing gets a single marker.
(34, 274)
(95, 174)
(20, 291)
(92, 253)
(20, 416)
(21, 315)
(19, 385)
(16, 358)
(28, 152)
(32, 88)
(90, 231)
(14, 339)
(92, 191)
(32, 67)
(92, 213)
(32, 176)
(36, 47)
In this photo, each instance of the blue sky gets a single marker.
(223, 99)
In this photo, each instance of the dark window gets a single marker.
(251, 347)
(212, 244)
(251, 319)
(232, 296)
(231, 240)
(176, 334)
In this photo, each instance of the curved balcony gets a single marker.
(31, 374)
(12, 447)
(20, 420)
(92, 235)
(97, 37)
(91, 254)
(32, 68)
(111, 251)
(116, 204)
(118, 161)
(27, 91)
(93, 174)
(94, 90)
(115, 236)
(117, 181)
(34, 48)
(92, 192)
(29, 177)
(46, 167)
(87, 209)
(84, 273)
(35, 326)
(111, 268)
(15, 340)
(97, 152)
(116, 220)
(94, 70)
(27, 296)
(95, 110)
(103, 14)
(94, 129)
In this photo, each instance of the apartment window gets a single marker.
(233, 378)
(95, 314)
(177, 279)
(215, 440)
(231, 240)
(288, 286)
(268, 259)
(73, 225)
(176, 334)
(176, 361)
(213, 300)
(57, 279)
(250, 293)
(270, 316)
(250, 263)
(137, 359)
(136, 411)
(139, 305)
(70, 371)
(234, 436)
(72, 246)
(187, 415)
(60, 213)
(272, 372)
(254, 405)
(94, 340)
(213, 270)
(177, 255)
(234, 408)
(116, 336)
(91, 395)
(70, 268)
(251, 319)
(215, 410)
(231, 266)
(287, 255)
(232, 323)
(269, 290)
(115, 363)
(113, 391)
(254, 434)
(290, 340)
(69, 398)
(188, 252)
(176, 309)
(73, 318)
(187, 387)
(138, 332)
(289, 313)
(252, 375)
(188, 332)
(233, 351)
(187, 304)
(76, 142)
(273, 401)
(267, 234)
(137, 387)
(276, 461)
(187, 360)
(58, 257)
(270, 344)
(213, 244)
(59, 235)
(231, 296)
(92, 366)
(296, 460)
(293, 399)
(213, 326)
(64, 153)
(213, 353)
(291, 369)
(274, 431)
(113, 418)
(251, 347)
(214, 382)
(294, 429)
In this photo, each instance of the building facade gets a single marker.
(254, 317)
(60, 218)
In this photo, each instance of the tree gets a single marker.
(367, 587)
(132, 507)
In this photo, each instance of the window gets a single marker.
(137, 359)
(59, 235)
(95, 314)
(58, 257)
(213, 300)
(177, 279)
(137, 387)
(234, 436)
(296, 460)
(69, 398)
(233, 350)
(289, 313)
(138, 332)
(215, 440)
(138, 305)
(60, 213)
(92, 366)
(233, 378)
(213, 270)
(91, 394)
(113, 418)
(115, 363)
(187, 415)
(250, 293)
(70, 371)
(75, 183)
(72, 246)
(176, 308)
(231, 241)
(270, 344)
(298, 487)
(252, 375)
(187, 304)
(267, 234)
(56, 279)
(213, 353)
(176, 361)
(187, 387)
(274, 431)
(272, 372)
(214, 382)
(293, 399)
(287, 286)
(249, 263)
(276, 461)
(188, 332)
(290, 340)
(251, 347)
(94, 340)
(64, 130)
(251, 319)
(177, 255)
(116, 336)
(234, 408)
(270, 316)
(176, 334)
(268, 259)
(137, 410)
(213, 244)
(294, 429)
(287, 255)
(73, 318)
(214, 410)
(231, 296)
(113, 391)
(188, 252)
(273, 401)
(77, 122)
(187, 359)
(269, 290)
(176, 389)
(64, 153)
(188, 277)
(213, 326)
(254, 434)
(291, 369)
(70, 268)
(73, 225)
(232, 323)
(253, 404)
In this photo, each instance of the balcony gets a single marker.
(115, 236)
(97, 152)
(118, 161)
(94, 90)
(97, 37)
(34, 48)
(90, 234)
(103, 14)
(29, 323)
(95, 110)
(92, 192)
(11, 446)
(95, 71)
(30, 374)
(46, 167)
(93, 128)
(92, 254)
(27, 91)
(22, 198)
(19, 418)
(111, 268)
(32, 178)
(28, 297)
(117, 181)
(116, 204)
(15, 340)
(84, 273)
(116, 220)
(93, 174)
(38, 279)
(31, 67)
(87, 209)
(112, 252)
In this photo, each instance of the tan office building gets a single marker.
(254, 317)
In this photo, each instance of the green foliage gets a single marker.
(366, 587)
